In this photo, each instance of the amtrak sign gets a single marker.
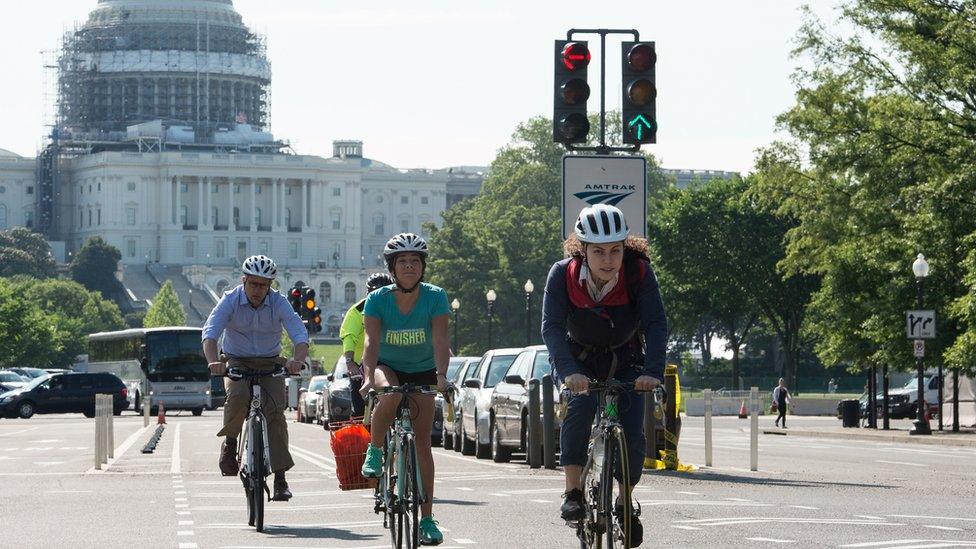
(619, 181)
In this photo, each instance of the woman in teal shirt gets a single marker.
(406, 342)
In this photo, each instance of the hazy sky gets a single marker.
(434, 83)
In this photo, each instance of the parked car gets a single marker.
(29, 373)
(335, 403)
(64, 393)
(455, 370)
(308, 399)
(475, 399)
(10, 381)
(509, 408)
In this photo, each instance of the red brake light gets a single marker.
(125, 392)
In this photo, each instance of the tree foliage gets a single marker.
(166, 309)
(24, 252)
(94, 267)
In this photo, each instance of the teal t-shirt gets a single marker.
(406, 343)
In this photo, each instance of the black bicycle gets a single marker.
(253, 450)
(603, 525)
(400, 490)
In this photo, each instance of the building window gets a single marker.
(350, 292)
(257, 216)
(237, 189)
(404, 199)
(287, 217)
(3, 189)
(213, 189)
(221, 248)
(237, 216)
(130, 247)
(189, 248)
(183, 187)
(3, 216)
(99, 216)
(89, 217)
(424, 200)
(336, 221)
(184, 211)
(325, 293)
(131, 186)
(336, 191)
(29, 220)
(89, 188)
(30, 189)
(293, 250)
(81, 218)
(130, 216)
(288, 191)
(379, 224)
(404, 225)
(257, 190)
(99, 186)
(379, 199)
(264, 247)
(213, 216)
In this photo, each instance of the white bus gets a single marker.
(165, 363)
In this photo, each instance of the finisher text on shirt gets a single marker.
(406, 337)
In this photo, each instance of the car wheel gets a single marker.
(482, 451)
(448, 438)
(197, 411)
(456, 437)
(25, 409)
(137, 404)
(467, 446)
(499, 453)
(89, 413)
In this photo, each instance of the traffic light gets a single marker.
(310, 313)
(570, 92)
(639, 93)
(315, 323)
(295, 299)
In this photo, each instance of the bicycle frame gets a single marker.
(245, 445)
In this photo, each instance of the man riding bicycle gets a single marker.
(406, 342)
(251, 317)
(601, 308)
(353, 335)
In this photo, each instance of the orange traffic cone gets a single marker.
(928, 410)
(743, 414)
(161, 420)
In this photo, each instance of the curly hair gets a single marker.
(572, 247)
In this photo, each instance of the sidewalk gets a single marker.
(966, 437)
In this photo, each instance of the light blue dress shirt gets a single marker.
(250, 332)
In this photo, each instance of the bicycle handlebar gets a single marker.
(660, 393)
(238, 374)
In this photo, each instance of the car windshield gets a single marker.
(453, 366)
(497, 369)
(10, 376)
(37, 381)
(176, 357)
(33, 372)
(316, 384)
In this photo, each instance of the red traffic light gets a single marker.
(575, 56)
(575, 91)
(642, 57)
(296, 293)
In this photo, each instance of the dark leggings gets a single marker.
(781, 406)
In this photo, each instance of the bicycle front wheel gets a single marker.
(411, 489)
(258, 473)
(617, 518)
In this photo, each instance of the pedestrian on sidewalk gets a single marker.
(781, 396)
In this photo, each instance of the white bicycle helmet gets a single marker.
(601, 224)
(405, 242)
(260, 265)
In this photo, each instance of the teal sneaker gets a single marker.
(373, 466)
(429, 533)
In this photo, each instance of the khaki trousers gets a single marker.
(274, 400)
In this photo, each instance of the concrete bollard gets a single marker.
(533, 436)
(754, 429)
(708, 427)
(98, 432)
(146, 405)
(548, 423)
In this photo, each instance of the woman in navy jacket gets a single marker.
(602, 312)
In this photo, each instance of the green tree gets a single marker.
(166, 309)
(25, 252)
(28, 337)
(94, 267)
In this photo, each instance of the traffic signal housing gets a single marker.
(570, 92)
(311, 314)
(295, 299)
(639, 105)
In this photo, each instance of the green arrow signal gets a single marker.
(641, 123)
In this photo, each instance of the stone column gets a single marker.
(254, 221)
(305, 204)
(231, 226)
(201, 220)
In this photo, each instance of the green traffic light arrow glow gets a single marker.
(641, 123)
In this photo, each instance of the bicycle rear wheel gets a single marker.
(618, 525)
(258, 473)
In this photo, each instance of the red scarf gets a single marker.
(580, 297)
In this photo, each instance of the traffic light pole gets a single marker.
(603, 148)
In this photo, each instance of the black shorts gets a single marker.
(427, 377)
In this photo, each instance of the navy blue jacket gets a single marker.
(565, 347)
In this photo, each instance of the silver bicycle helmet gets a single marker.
(260, 265)
(405, 242)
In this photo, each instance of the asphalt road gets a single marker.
(807, 493)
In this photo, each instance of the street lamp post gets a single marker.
(529, 288)
(490, 296)
(456, 307)
(921, 270)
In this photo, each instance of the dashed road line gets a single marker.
(175, 467)
(905, 463)
(772, 540)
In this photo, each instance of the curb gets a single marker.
(938, 440)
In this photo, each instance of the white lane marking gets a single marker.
(180, 492)
(771, 540)
(933, 544)
(312, 459)
(807, 507)
(188, 546)
(906, 463)
(688, 493)
(185, 523)
(303, 508)
(655, 502)
(470, 460)
(313, 454)
(180, 500)
(18, 432)
(738, 499)
(871, 517)
(683, 527)
(465, 489)
(182, 505)
(184, 533)
(464, 541)
(175, 468)
(45, 441)
(936, 527)
(880, 543)
(119, 452)
(68, 492)
(183, 513)
(929, 517)
(541, 501)
(239, 526)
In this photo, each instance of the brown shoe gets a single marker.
(228, 460)
(281, 491)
